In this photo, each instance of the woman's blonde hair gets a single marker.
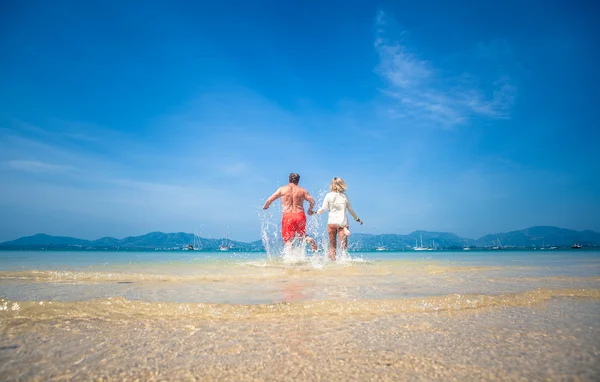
(338, 185)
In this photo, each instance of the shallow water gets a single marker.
(194, 315)
(252, 278)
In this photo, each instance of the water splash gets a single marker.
(273, 242)
(299, 251)
(320, 233)
(270, 233)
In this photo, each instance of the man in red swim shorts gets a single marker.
(293, 221)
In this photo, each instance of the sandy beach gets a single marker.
(555, 340)
(457, 317)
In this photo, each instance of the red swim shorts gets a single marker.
(292, 224)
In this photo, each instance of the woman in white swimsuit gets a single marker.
(336, 202)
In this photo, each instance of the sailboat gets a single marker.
(195, 246)
(225, 244)
(497, 244)
(421, 248)
(381, 247)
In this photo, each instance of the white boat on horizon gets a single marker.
(497, 244)
(195, 246)
(225, 244)
(421, 248)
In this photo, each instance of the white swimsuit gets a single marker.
(337, 203)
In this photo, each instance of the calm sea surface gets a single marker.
(255, 278)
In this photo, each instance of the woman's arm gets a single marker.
(325, 205)
(349, 207)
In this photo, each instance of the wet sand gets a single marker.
(515, 317)
(557, 339)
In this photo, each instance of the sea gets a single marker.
(196, 315)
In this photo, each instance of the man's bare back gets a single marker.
(292, 199)
(293, 221)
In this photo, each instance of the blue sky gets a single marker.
(121, 118)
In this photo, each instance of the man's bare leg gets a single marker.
(313, 243)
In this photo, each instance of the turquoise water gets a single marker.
(555, 262)
(242, 277)
(81, 260)
(159, 315)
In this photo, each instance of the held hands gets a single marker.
(310, 212)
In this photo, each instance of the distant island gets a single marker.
(540, 237)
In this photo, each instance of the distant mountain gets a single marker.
(153, 240)
(105, 242)
(43, 239)
(528, 238)
(541, 236)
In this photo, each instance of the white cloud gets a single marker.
(423, 95)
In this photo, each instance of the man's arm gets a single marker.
(311, 203)
(272, 198)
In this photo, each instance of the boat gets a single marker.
(380, 246)
(195, 246)
(421, 248)
(225, 244)
(466, 248)
(497, 244)
(576, 246)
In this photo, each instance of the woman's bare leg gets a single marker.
(332, 230)
(343, 239)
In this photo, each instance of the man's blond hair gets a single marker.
(338, 185)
